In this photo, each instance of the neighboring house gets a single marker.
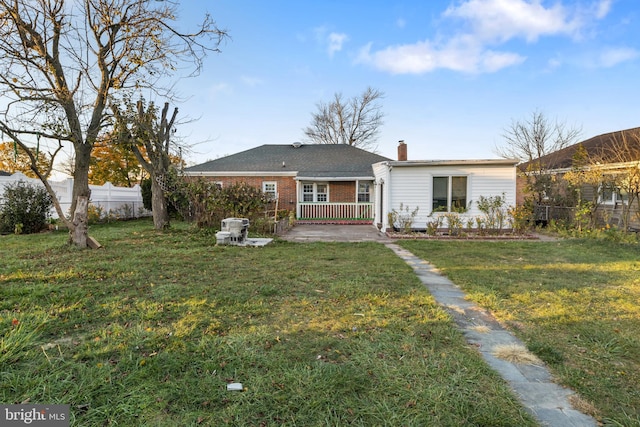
(343, 184)
(326, 183)
(438, 187)
(611, 156)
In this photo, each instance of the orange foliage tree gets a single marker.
(115, 163)
(14, 159)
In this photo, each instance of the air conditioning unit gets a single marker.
(233, 231)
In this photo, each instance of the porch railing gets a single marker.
(308, 211)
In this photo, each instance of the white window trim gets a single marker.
(315, 191)
(370, 184)
(450, 190)
(275, 188)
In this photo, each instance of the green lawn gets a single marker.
(576, 303)
(149, 330)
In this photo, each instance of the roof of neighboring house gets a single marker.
(3, 173)
(605, 148)
(313, 160)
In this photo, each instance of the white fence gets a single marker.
(123, 202)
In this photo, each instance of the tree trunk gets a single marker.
(79, 231)
(159, 205)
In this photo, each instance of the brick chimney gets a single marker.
(402, 151)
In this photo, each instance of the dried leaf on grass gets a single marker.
(516, 353)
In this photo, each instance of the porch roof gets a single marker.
(334, 178)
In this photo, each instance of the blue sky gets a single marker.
(455, 73)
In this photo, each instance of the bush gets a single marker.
(402, 219)
(454, 223)
(493, 208)
(207, 204)
(25, 208)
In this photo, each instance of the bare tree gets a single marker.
(150, 140)
(532, 139)
(355, 121)
(62, 60)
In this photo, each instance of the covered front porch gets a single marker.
(335, 213)
(334, 201)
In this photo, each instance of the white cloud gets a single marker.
(332, 41)
(502, 20)
(220, 88)
(400, 23)
(491, 61)
(481, 26)
(461, 54)
(336, 40)
(614, 56)
(251, 81)
(603, 8)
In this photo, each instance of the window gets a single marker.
(364, 192)
(315, 193)
(449, 193)
(610, 194)
(270, 188)
(321, 192)
(307, 192)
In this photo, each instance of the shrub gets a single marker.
(433, 225)
(403, 218)
(95, 214)
(521, 218)
(493, 208)
(25, 208)
(207, 204)
(454, 223)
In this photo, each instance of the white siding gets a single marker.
(411, 187)
(381, 189)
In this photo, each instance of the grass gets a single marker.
(149, 330)
(575, 303)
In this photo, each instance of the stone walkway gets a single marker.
(548, 402)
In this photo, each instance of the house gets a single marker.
(344, 184)
(321, 183)
(613, 161)
(438, 187)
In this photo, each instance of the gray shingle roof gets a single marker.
(603, 148)
(313, 160)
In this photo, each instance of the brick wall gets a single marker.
(285, 184)
(342, 192)
(521, 183)
(339, 191)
